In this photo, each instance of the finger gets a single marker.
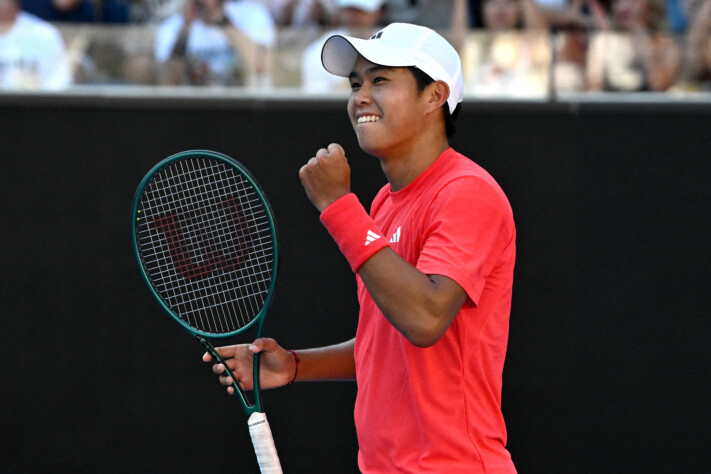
(226, 352)
(336, 148)
(230, 382)
(207, 357)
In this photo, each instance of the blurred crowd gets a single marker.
(509, 48)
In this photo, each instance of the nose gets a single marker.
(363, 95)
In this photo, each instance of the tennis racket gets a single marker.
(205, 240)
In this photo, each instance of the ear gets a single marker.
(437, 95)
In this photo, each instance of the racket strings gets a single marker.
(205, 238)
(194, 201)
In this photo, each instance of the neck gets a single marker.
(403, 166)
(402, 170)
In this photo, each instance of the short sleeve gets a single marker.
(466, 228)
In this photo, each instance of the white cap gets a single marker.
(399, 45)
(369, 6)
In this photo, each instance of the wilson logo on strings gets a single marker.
(225, 249)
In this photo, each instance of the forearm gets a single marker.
(421, 307)
(334, 362)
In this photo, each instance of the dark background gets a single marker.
(607, 368)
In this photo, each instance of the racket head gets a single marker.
(205, 240)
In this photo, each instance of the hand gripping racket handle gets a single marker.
(263, 444)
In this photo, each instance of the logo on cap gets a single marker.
(376, 35)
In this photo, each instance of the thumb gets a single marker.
(263, 344)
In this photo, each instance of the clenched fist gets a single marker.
(327, 176)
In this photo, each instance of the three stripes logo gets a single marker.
(396, 236)
(376, 35)
(371, 237)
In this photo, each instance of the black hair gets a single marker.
(423, 80)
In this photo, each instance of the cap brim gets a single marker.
(340, 53)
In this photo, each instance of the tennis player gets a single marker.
(434, 263)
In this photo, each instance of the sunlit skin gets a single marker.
(405, 130)
(408, 132)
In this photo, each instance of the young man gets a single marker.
(434, 263)
(32, 53)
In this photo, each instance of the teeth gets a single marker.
(368, 118)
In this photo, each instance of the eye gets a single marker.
(355, 85)
(379, 79)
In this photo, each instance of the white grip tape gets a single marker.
(263, 443)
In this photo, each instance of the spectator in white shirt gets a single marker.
(216, 42)
(32, 53)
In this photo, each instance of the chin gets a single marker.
(369, 148)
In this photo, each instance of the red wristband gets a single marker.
(296, 369)
(353, 230)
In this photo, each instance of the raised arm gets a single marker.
(420, 306)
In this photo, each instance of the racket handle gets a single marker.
(263, 443)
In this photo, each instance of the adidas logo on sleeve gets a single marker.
(396, 236)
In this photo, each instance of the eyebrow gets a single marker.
(369, 70)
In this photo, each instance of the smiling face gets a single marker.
(385, 108)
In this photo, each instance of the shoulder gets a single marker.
(460, 172)
(41, 31)
(37, 24)
(463, 184)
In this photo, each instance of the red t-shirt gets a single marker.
(438, 409)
